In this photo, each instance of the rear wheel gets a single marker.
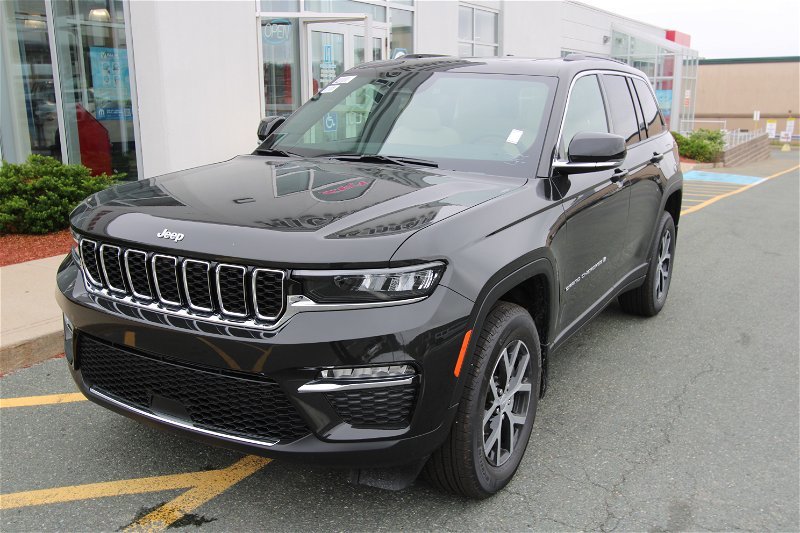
(650, 297)
(496, 413)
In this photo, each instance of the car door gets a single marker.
(647, 185)
(641, 172)
(595, 209)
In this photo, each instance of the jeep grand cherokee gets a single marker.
(380, 284)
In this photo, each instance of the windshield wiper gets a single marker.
(274, 151)
(377, 158)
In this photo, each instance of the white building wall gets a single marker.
(528, 29)
(437, 27)
(196, 67)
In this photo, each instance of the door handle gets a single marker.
(656, 157)
(619, 175)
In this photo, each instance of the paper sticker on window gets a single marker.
(344, 79)
(329, 89)
(514, 136)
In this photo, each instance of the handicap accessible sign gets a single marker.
(111, 83)
(330, 122)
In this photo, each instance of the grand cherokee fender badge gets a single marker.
(167, 234)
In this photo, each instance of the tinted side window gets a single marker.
(651, 115)
(586, 111)
(623, 115)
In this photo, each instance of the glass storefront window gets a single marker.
(28, 114)
(95, 85)
(477, 32)
(327, 58)
(402, 32)
(280, 6)
(358, 49)
(346, 6)
(280, 50)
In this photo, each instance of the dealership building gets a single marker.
(146, 87)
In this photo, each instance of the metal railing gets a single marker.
(736, 137)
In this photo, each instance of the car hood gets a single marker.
(285, 212)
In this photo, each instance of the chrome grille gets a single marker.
(197, 285)
(165, 275)
(183, 285)
(136, 270)
(89, 260)
(265, 283)
(231, 291)
(112, 268)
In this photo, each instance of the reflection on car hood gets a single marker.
(286, 211)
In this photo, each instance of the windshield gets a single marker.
(487, 123)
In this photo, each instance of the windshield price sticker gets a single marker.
(344, 79)
(514, 136)
(329, 88)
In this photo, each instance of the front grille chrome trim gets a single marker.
(128, 253)
(335, 386)
(192, 306)
(178, 423)
(104, 267)
(244, 290)
(254, 292)
(155, 277)
(86, 272)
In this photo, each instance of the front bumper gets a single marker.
(426, 334)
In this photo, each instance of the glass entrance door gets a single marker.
(336, 47)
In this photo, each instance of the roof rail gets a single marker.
(578, 57)
(421, 56)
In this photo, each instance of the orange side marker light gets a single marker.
(460, 361)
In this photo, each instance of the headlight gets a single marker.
(348, 286)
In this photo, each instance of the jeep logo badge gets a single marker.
(167, 234)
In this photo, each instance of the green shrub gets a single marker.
(37, 196)
(701, 145)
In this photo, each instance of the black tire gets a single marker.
(461, 466)
(650, 297)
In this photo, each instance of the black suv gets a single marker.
(380, 284)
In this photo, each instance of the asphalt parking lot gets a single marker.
(688, 421)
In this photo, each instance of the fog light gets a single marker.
(367, 372)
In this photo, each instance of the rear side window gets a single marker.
(586, 111)
(652, 117)
(623, 114)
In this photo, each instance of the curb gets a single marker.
(31, 351)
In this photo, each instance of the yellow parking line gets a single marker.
(710, 201)
(49, 399)
(99, 490)
(203, 486)
(214, 485)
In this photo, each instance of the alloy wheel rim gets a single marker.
(664, 264)
(507, 402)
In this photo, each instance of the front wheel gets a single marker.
(496, 413)
(650, 297)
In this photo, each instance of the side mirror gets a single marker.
(591, 152)
(268, 125)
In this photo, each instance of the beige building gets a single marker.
(730, 90)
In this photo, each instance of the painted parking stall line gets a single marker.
(199, 487)
(702, 189)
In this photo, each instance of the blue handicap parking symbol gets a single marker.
(330, 122)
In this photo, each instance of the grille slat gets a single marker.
(197, 285)
(173, 284)
(112, 268)
(165, 275)
(253, 408)
(136, 268)
(89, 260)
(231, 290)
(268, 293)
